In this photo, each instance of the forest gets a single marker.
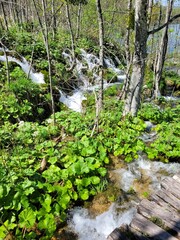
(86, 87)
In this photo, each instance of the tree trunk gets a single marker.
(78, 20)
(150, 7)
(4, 16)
(133, 93)
(101, 56)
(128, 53)
(99, 96)
(161, 54)
(7, 64)
(71, 31)
(53, 19)
(48, 56)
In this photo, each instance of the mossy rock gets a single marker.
(169, 82)
(176, 94)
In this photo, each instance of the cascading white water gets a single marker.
(26, 67)
(99, 227)
(120, 74)
(89, 62)
(73, 102)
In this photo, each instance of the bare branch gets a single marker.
(164, 25)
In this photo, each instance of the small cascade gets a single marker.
(120, 74)
(99, 227)
(88, 63)
(26, 67)
(73, 102)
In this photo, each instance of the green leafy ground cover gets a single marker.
(34, 200)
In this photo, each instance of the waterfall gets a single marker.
(88, 63)
(25, 66)
(73, 102)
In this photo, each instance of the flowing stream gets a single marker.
(25, 66)
(89, 62)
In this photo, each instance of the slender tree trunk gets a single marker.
(128, 53)
(44, 30)
(53, 19)
(162, 49)
(78, 20)
(4, 16)
(150, 7)
(71, 30)
(99, 96)
(7, 64)
(49, 58)
(112, 18)
(39, 20)
(133, 95)
(101, 56)
(16, 11)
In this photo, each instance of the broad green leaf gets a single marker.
(3, 232)
(102, 171)
(52, 160)
(84, 194)
(47, 203)
(48, 223)
(64, 201)
(95, 180)
(86, 181)
(106, 160)
(27, 218)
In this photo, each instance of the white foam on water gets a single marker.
(73, 102)
(156, 171)
(26, 67)
(100, 227)
(89, 62)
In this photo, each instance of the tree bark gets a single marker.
(54, 21)
(4, 16)
(150, 7)
(162, 49)
(133, 94)
(101, 56)
(49, 58)
(78, 20)
(7, 64)
(71, 31)
(128, 53)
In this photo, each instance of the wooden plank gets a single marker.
(154, 209)
(175, 182)
(169, 198)
(117, 234)
(137, 235)
(177, 178)
(172, 186)
(159, 200)
(160, 216)
(149, 229)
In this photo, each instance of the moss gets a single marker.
(157, 221)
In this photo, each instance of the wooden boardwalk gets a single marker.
(157, 218)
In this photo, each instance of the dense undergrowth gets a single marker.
(45, 169)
